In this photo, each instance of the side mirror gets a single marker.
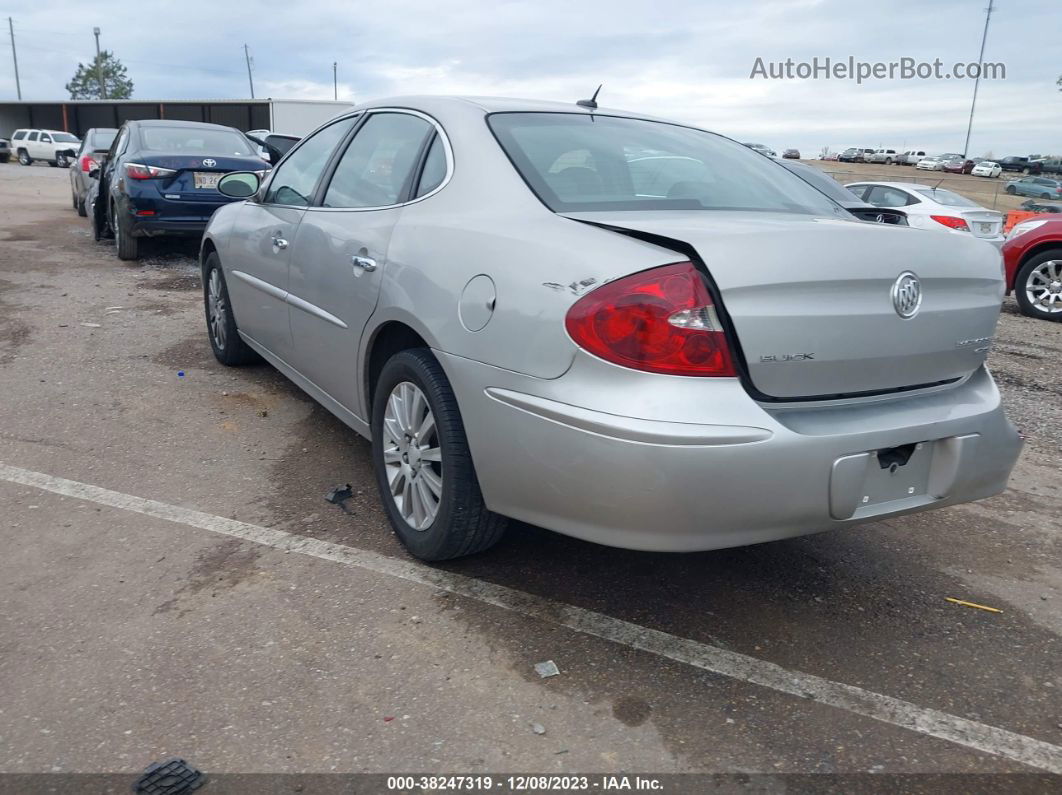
(94, 172)
(239, 184)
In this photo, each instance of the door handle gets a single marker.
(279, 242)
(367, 264)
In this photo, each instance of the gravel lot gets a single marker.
(131, 633)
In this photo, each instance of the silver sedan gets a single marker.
(623, 329)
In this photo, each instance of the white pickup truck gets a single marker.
(55, 146)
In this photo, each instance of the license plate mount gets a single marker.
(206, 180)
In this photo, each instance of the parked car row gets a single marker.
(158, 178)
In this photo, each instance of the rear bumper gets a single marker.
(145, 227)
(681, 464)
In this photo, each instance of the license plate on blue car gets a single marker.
(206, 180)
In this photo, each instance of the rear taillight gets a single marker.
(87, 162)
(138, 171)
(952, 222)
(660, 321)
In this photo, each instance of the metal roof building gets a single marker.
(294, 116)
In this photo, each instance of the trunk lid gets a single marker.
(810, 298)
(983, 223)
(185, 186)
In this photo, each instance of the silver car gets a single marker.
(623, 329)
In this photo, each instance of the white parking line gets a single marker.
(741, 667)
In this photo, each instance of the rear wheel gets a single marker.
(1045, 195)
(225, 340)
(423, 466)
(1011, 190)
(127, 246)
(1038, 286)
(80, 205)
(23, 158)
(62, 160)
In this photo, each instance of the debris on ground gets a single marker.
(338, 495)
(547, 669)
(92, 325)
(972, 604)
(538, 728)
(170, 776)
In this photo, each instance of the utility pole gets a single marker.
(99, 64)
(977, 80)
(247, 57)
(335, 84)
(11, 28)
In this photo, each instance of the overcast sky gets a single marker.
(684, 59)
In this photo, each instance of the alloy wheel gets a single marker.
(412, 455)
(216, 309)
(1043, 288)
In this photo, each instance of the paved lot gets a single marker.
(132, 630)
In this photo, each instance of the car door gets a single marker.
(263, 230)
(340, 251)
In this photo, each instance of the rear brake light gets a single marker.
(660, 321)
(87, 162)
(138, 171)
(951, 222)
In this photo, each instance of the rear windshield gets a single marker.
(578, 162)
(195, 141)
(945, 197)
(103, 139)
(65, 138)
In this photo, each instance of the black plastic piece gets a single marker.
(338, 494)
(895, 457)
(171, 777)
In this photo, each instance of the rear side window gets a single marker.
(377, 168)
(434, 168)
(881, 196)
(19, 135)
(294, 180)
(577, 162)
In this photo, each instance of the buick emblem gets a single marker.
(906, 294)
(209, 162)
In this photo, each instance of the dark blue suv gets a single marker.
(160, 178)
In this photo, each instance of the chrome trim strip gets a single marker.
(265, 287)
(313, 309)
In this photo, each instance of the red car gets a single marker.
(959, 166)
(1032, 256)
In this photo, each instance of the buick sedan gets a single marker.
(628, 330)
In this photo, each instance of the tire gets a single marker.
(1011, 190)
(54, 163)
(1047, 266)
(1045, 195)
(462, 524)
(225, 340)
(24, 159)
(73, 198)
(80, 204)
(888, 161)
(127, 246)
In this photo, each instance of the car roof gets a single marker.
(178, 123)
(902, 185)
(502, 105)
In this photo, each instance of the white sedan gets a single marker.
(986, 168)
(934, 208)
(931, 164)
